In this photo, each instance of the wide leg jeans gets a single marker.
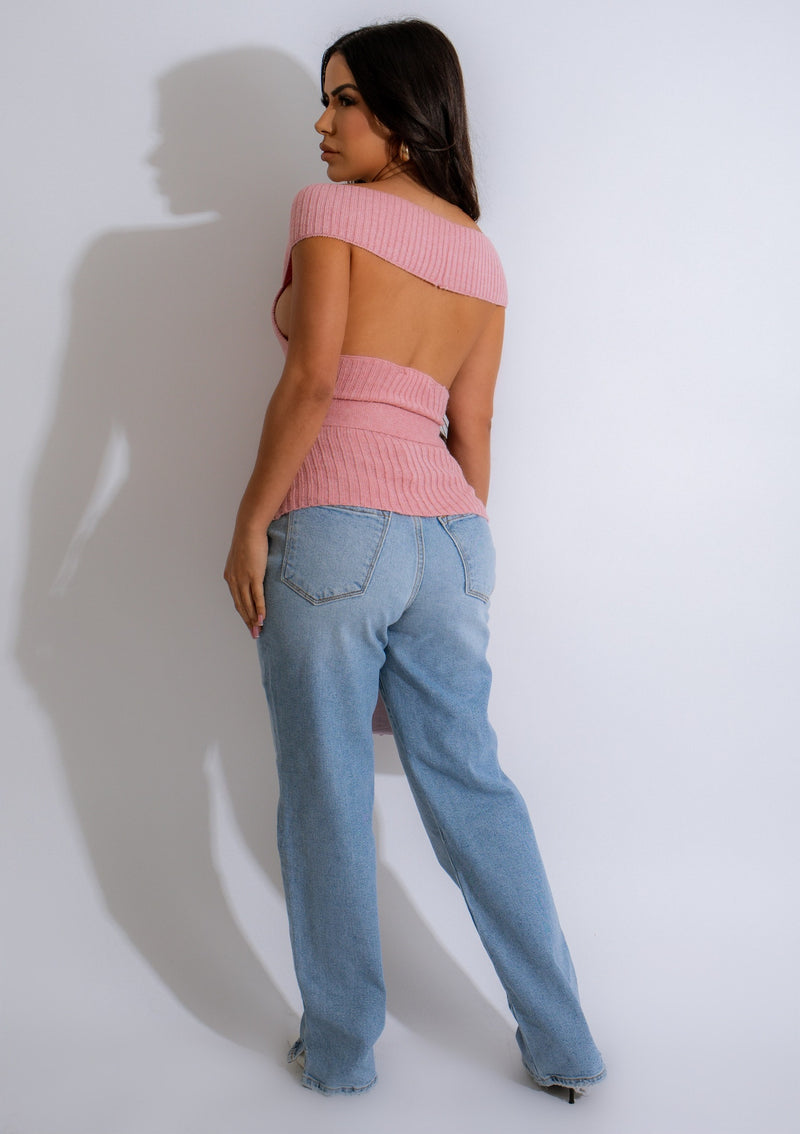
(360, 600)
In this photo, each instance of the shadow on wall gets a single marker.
(135, 652)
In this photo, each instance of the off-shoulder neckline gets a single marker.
(397, 197)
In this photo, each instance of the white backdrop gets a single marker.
(639, 172)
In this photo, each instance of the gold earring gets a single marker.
(404, 154)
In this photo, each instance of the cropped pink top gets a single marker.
(380, 444)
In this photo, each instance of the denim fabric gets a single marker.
(359, 600)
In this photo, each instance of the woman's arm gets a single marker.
(320, 290)
(469, 407)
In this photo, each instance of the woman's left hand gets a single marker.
(244, 573)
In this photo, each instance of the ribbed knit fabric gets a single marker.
(382, 462)
(453, 256)
(379, 446)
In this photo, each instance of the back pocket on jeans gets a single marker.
(473, 541)
(331, 552)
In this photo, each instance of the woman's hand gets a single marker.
(244, 573)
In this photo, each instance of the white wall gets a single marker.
(639, 168)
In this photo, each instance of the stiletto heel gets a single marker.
(561, 1091)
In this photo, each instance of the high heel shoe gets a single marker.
(569, 1094)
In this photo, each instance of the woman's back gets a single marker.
(393, 312)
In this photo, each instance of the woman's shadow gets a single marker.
(127, 633)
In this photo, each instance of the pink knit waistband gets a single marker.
(379, 417)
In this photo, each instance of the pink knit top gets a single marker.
(380, 444)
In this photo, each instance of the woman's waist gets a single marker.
(384, 418)
(366, 379)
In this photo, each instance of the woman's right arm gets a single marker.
(320, 292)
(469, 406)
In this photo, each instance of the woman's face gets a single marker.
(355, 145)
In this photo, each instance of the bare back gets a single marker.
(395, 315)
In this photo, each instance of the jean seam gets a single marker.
(564, 1080)
(420, 541)
(315, 1085)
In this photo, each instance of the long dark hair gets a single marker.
(409, 75)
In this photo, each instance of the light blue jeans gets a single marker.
(359, 600)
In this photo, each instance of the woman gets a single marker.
(379, 562)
